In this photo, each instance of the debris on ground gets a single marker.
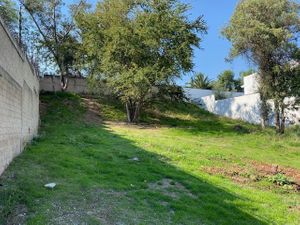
(50, 185)
(136, 159)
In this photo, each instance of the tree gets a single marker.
(285, 83)
(8, 13)
(58, 36)
(264, 31)
(136, 45)
(226, 81)
(200, 81)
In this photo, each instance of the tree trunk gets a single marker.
(277, 116)
(133, 111)
(264, 111)
(282, 122)
(63, 75)
(63, 82)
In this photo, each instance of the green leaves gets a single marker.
(8, 13)
(140, 44)
(200, 81)
(266, 32)
(261, 26)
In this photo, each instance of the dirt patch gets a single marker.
(18, 215)
(255, 171)
(268, 169)
(141, 126)
(92, 115)
(96, 206)
(236, 173)
(171, 188)
(295, 208)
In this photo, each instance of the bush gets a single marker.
(219, 94)
(280, 179)
(293, 130)
(170, 92)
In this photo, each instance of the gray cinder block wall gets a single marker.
(19, 99)
(78, 85)
(75, 84)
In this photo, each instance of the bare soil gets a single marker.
(170, 188)
(255, 171)
(92, 115)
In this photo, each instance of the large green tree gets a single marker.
(137, 45)
(226, 82)
(265, 31)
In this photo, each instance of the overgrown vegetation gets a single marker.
(270, 42)
(133, 52)
(182, 165)
(280, 179)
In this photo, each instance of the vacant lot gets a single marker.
(181, 166)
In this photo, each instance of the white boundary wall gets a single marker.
(196, 95)
(19, 99)
(246, 107)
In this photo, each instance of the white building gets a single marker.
(239, 105)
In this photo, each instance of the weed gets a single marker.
(280, 179)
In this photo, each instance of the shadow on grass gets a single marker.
(104, 178)
(183, 115)
(191, 118)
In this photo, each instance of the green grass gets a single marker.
(99, 182)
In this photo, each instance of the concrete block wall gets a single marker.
(19, 99)
(75, 84)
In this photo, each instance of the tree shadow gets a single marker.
(105, 178)
(142, 176)
(193, 119)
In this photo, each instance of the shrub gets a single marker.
(280, 179)
(293, 130)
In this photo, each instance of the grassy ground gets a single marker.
(182, 166)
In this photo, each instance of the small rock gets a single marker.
(50, 185)
(135, 159)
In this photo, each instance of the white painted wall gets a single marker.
(246, 107)
(251, 84)
(196, 95)
(208, 103)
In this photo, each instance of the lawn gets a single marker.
(181, 165)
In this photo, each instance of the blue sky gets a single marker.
(211, 59)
